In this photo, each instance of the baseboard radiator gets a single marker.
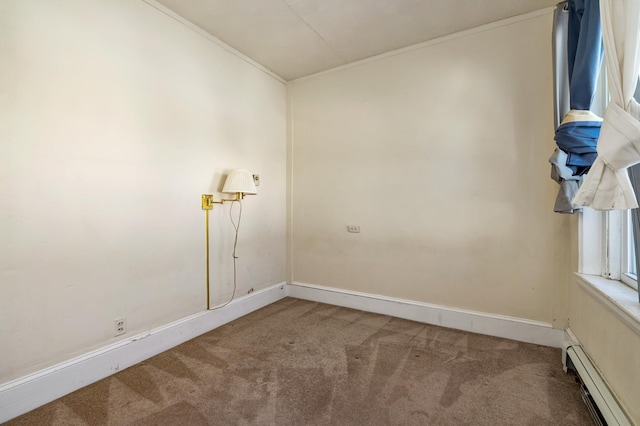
(596, 394)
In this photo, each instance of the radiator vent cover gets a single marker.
(603, 406)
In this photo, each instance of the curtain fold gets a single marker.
(578, 133)
(577, 27)
(607, 185)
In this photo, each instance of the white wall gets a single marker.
(439, 153)
(114, 119)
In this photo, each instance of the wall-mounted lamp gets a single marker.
(239, 182)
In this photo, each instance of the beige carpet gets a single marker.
(304, 363)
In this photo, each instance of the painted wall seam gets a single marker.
(439, 40)
(212, 38)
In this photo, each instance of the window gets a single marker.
(607, 244)
(628, 272)
(628, 267)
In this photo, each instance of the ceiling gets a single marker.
(295, 38)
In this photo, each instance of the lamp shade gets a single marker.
(239, 181)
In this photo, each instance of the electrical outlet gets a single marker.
(256, 180)
(120, 326)
(354, 229)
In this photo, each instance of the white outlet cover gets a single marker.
(119, 326)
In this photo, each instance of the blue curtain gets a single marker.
(576, 136)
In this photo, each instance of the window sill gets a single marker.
(616, 296)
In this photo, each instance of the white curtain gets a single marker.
(607, 185)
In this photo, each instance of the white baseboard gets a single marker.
(519, 329)
(27, 393)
